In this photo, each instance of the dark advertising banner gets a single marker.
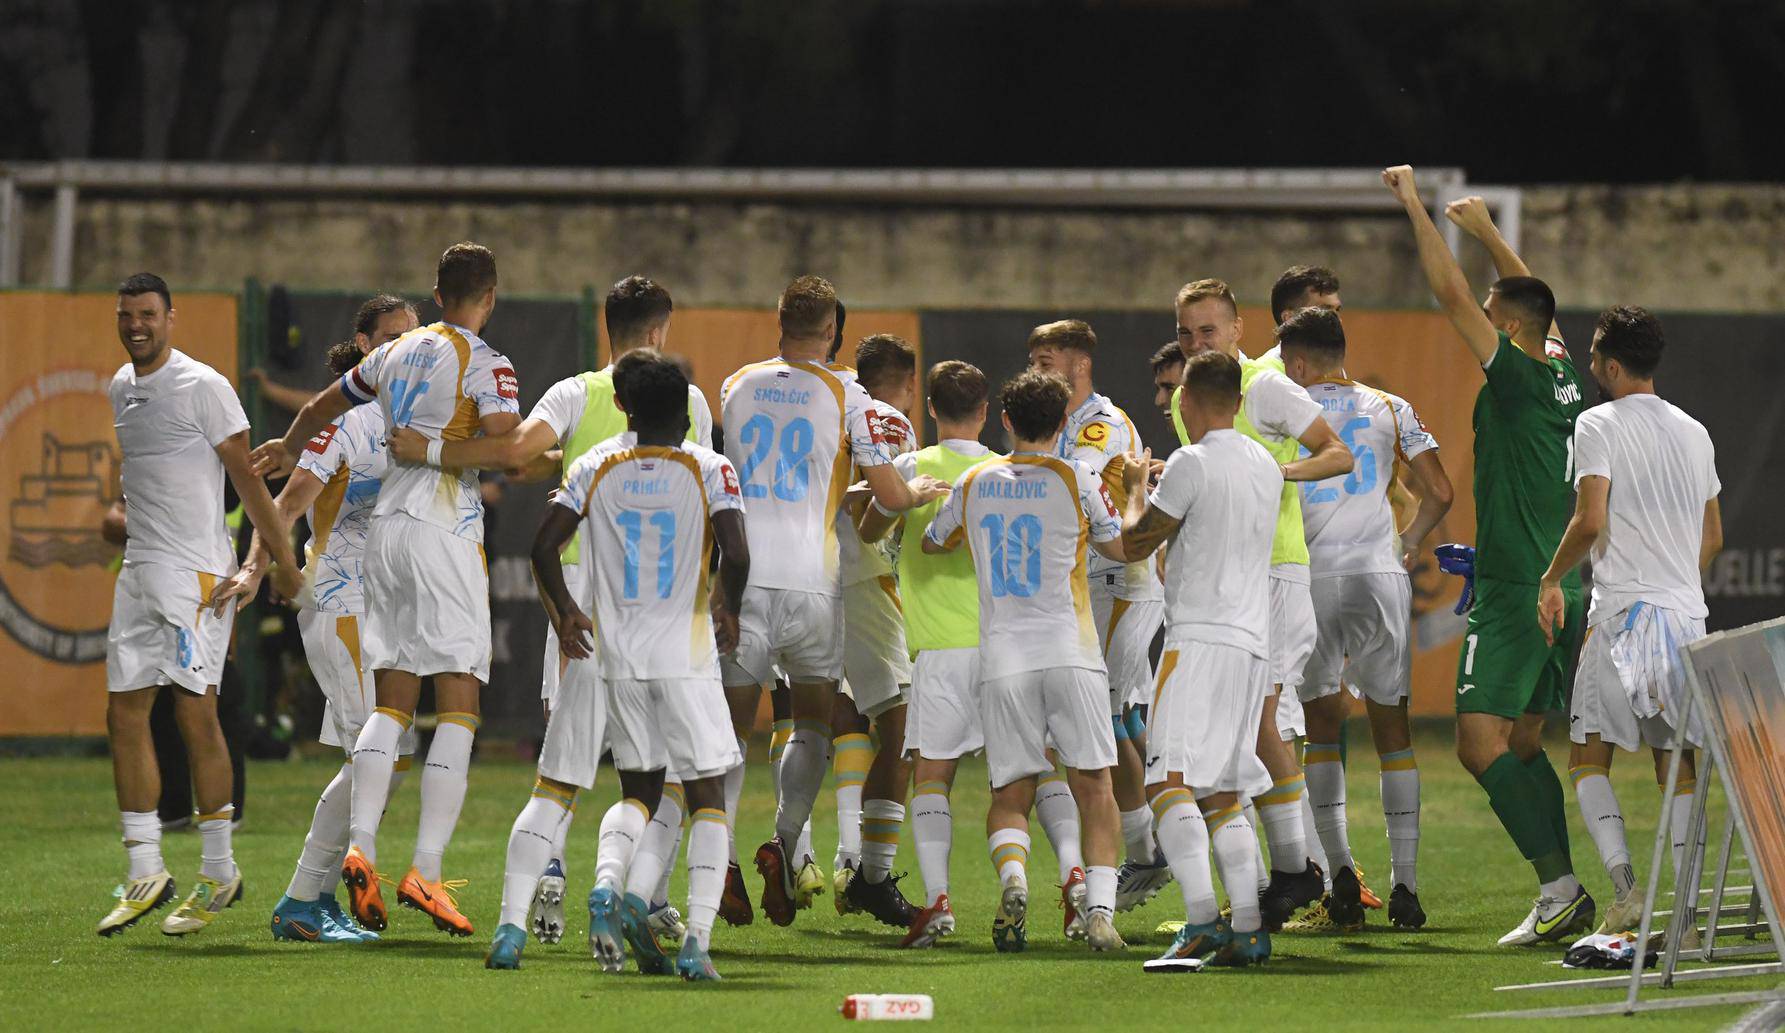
(1725, 371)
(543, 339)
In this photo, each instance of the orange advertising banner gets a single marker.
(58, 475)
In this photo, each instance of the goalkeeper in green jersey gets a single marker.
(1509, 677)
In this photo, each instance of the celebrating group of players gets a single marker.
(906, 607)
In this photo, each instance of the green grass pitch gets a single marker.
(59, 839)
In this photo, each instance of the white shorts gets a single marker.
(800, 632)
(1621, 655)
(875, 659)
(576, 578)
(1292, 724)
(1127, 628)
(1204, 721)
(942, 722)
(427, 600)
(162, 633)
(1065, 708)
(679, 725)
(1365, 626)
(576, 731)
(332, 647)
(1292, 631)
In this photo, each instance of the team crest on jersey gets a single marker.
(319, 444)
(506, 384)
(1094, 434)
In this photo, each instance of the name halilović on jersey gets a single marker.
(1101, 436)
(1349, 523)
(793, 429)
(1026, 518)
(439, 380)
(349, 458)
(646, 519)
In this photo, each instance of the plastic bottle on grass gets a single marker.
(888, 1006)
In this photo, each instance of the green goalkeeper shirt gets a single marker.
(1524, 461)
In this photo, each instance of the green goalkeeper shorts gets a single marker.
(1506, 667)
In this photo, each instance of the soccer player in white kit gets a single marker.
(427, 589)
(1217, 505)
(1647, 513)
(650, 506)
(335, 487)
(1025, 519)
(180, 429)
(574, 415)
(1127, 603)
(1281, 417)
(1363, 604)
(792, 428)
(877, 666)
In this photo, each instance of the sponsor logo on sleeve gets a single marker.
(507, 385)
(876, 428)
(319, 444)
(728, 478)
(1109, 504)
(1094, 434)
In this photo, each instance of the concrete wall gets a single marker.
(1676, 248)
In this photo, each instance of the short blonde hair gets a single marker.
(1203, 290)
(1075, 334)
(808, 306)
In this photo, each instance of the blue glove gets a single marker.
(1459, 559)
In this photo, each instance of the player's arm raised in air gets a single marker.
(1435, 492)
(258, 504)
(1446, 278)
(574, 628)
(1584, 528)
(1471, 215)
(734, 574)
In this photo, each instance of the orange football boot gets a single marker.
(363, 895)
(436, 901)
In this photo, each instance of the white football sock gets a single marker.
(656, 851)
(1281, 811)
(319, 863)
(374, 755)
(142, 843)
(882, 821)
(1400, 811)
(734, 793)
(1010, 856)
(1058, 815)
(217, 859)
(1100, 889)
(1685, 798)
(1311, 836)
(660, 897)
(706, 873)
(1326, 795)
(851, 755)
(1183, 839)
(1250, 810)
(530, 844)
(1137, 836)
(1235, 846)
(621, 829)
(932, 830)
(443, 781)
(803, 765)
(1605, 823)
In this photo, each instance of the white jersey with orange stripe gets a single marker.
(350, 459)
(795, 430)
(1101, 436)
(647, 519)
(1027, 518)
(440, 381)
(1348, 520)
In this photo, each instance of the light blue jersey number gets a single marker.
(1014, 556)
(632, 522)
(1362, 478)
(792, 475)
